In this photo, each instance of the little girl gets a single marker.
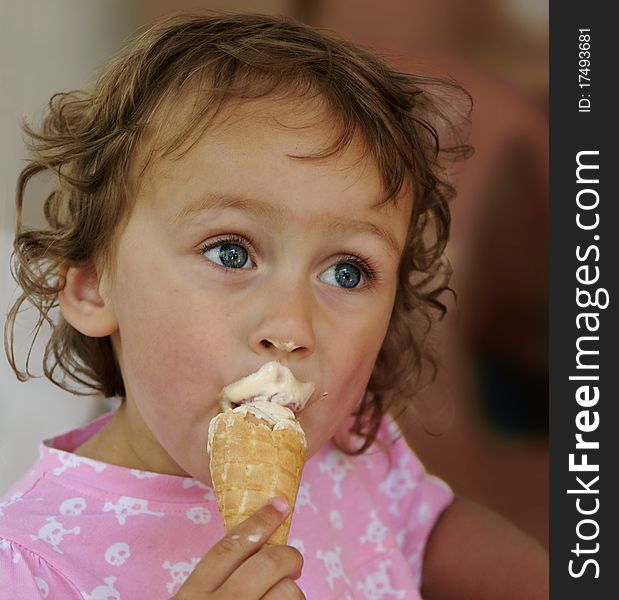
(237, 190)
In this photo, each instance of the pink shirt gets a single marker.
(75, 528)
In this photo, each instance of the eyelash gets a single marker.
(367, 266)
(229, 239)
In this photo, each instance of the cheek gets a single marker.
(169, 339)
(345, 380)
(346, 374)
(361, 336)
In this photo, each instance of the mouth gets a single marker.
(295, 408)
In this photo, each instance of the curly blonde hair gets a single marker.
(89, 142)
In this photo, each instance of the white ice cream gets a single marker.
(272, 382)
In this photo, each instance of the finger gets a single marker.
(262, 571)
(236, 546)
(285, 589)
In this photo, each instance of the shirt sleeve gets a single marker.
(29, 577)
(428, 500)
(412, 501)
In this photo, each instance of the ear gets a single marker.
(82, 304)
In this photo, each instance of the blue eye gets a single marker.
(344, 274)
(228, 254)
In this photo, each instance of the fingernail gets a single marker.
(281, 505)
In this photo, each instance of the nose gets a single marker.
(284, 323)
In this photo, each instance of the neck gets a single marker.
(115, 444)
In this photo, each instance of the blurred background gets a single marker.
(493, 344)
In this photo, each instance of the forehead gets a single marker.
(295, 125)
(262, 148)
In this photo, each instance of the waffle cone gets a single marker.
(250, 464)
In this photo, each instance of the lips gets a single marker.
(275, 398)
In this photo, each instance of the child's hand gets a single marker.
(239, 567)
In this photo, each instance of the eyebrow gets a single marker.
(217, 201)
(259, 208)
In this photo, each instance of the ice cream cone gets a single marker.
(251, 461)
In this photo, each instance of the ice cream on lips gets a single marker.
(273, 382)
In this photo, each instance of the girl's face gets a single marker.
(236, 245)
